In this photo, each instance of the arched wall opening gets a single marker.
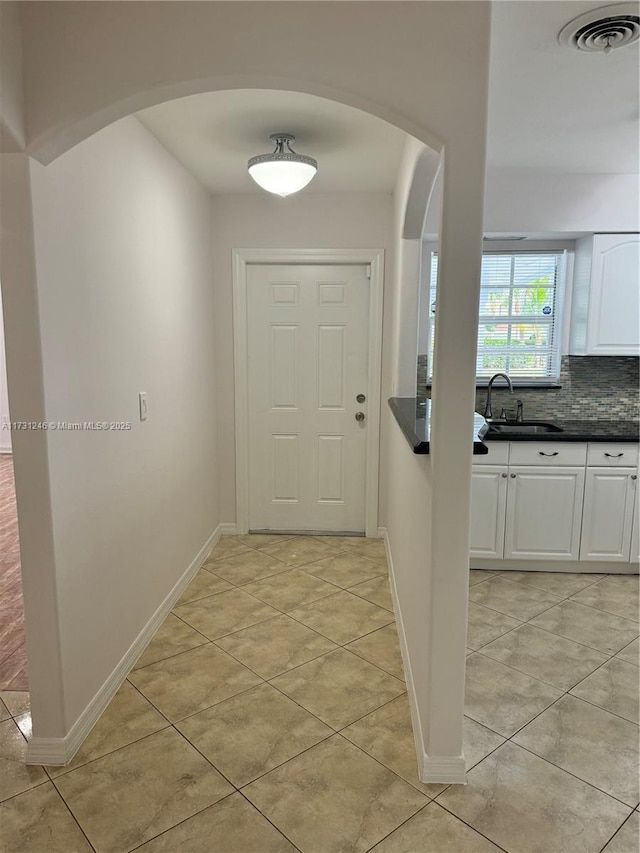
(75, 98)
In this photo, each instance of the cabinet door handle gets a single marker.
(614, 455)
(542, 453)
(513, 476)
(634, 476)
(504, 476)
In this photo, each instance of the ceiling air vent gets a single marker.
(603, 29)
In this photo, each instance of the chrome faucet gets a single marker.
(488, 411)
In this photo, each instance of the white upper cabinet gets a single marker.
(606, 296)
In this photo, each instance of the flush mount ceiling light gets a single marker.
(282, 172)
(603, 29)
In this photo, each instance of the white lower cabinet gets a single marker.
(488, 506)
(544, 511)
(609, 500)
(526, 513)
(556, 502)
(635, 528)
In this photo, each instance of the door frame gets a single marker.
(242, 258)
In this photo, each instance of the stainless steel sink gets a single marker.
(522, 428)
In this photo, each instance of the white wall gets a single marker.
(30, 447)
(399, 62)
(11, 92)
(545, 203)
(311, 221)
(124, 265)
(409, 533)
(561, 202)
(428, 499)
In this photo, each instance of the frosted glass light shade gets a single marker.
(282, 176)
(282, 172)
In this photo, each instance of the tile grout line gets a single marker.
(339, 732)
(195, 814)
(282, 833)
(26, 790)
(564, 770)
(560, 637)
(457, 817)
(50, 781)
(277, 674)
(565, 693)
(75, 819)
(536, 615)
(626, 820)
(289, 614)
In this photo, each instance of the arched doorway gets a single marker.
(70, 96)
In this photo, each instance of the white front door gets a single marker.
(308, 343)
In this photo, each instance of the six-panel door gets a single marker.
(307, 363)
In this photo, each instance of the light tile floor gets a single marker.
(269, 714)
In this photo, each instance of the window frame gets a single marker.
(564, 253)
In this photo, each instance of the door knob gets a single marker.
(359, 416)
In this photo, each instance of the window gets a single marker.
(519, 328)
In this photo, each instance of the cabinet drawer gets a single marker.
(498, 454)
(623, 455)
(547, 453)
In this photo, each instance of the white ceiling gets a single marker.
(551, 109)
(214, 135)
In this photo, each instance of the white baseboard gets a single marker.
(446, 769)
(449, 770)
(575, 566)
(404, 651)
(6, 449)
(60, 751)
(228, 528)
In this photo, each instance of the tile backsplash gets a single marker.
(592, 388)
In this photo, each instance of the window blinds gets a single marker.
(519, 328)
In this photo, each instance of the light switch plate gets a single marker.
(142, 397)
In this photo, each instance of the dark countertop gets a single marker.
(414, 419)
(577, 431)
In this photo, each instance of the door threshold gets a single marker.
(309, 532)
